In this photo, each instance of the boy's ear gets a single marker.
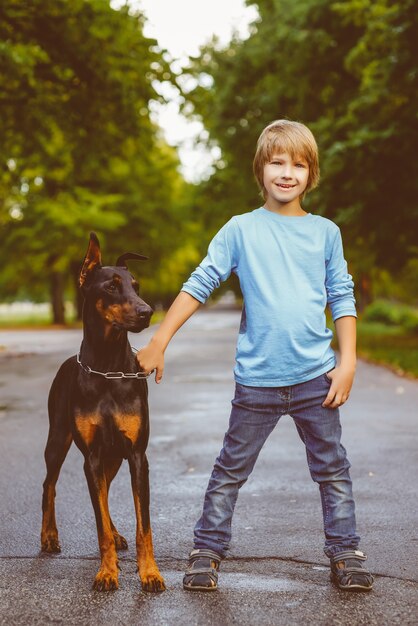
(92, 259)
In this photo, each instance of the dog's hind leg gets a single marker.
(149, 573)
(111, 469)
(56, 450)
(107, 576)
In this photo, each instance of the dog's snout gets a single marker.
(144, 312)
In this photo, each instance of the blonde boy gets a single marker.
(290, 265)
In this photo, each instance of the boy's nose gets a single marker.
(287, 172)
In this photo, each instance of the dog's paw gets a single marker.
(153, 582)
(50, 543)
(120, 542)
(105, 581)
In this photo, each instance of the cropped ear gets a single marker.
(92, 259)
(121, 262)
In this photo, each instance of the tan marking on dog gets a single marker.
(107, 576)
(128, 425)
(148, 571)
(92, 258)
(87, 426)
(114, 312)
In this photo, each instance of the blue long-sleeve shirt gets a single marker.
(289, 269)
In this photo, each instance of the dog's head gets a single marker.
(113, 290)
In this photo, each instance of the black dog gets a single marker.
(99, 399)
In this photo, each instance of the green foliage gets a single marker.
(389, 345)
(377, 172)
(347, 70)
(393, 314)
(78, 147)
(79, 150)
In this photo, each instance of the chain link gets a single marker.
(113, 375)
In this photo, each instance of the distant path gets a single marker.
(276, 573)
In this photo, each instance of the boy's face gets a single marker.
(285, 179)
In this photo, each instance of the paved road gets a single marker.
(276, 574)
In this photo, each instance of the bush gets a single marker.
(393, 314)
(410, 321)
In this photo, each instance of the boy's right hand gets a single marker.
(151, 358)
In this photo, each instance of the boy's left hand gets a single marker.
(342, 381)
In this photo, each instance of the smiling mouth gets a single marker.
(283, 186)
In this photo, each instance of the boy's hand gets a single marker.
(342, 381)
(151, 358)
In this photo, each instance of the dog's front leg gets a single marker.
(149, 573)
(107, 576)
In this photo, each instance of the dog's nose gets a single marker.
(144, 312)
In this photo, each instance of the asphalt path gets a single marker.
(276, 573)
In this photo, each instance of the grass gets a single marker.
(32, 321)
(392, 346)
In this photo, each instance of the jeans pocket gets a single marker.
(328, 378)
(254, 399)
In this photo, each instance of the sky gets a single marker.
(181, 27)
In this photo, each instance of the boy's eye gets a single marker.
(300, 165)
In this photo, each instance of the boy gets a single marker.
(290, 265)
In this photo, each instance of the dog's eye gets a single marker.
(111, 287)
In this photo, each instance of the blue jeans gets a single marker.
(255, 413)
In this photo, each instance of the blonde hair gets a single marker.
(286, 136)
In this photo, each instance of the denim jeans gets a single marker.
(255, 413)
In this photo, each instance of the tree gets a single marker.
(291, 66)
(345, 69)
(373, 164)
(79, 149)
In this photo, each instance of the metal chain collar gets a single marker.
(113, 375)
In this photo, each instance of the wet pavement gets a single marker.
(276, 573)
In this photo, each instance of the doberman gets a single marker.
(99, 398)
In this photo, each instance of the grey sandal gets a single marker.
(202, 571)
(348, 573)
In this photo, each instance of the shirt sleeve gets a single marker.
(338, 282)
(217, 265)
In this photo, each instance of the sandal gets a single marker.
(202, 572)
(347, 571)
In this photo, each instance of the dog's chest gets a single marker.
(115, 426)
(128, 425)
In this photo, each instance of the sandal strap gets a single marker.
(345, 576)
(353, 570)
(200, 553)
(348, 554)
(202, 570)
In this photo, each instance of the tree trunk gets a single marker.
(78, 297)
(364, 292)
(57, 297)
